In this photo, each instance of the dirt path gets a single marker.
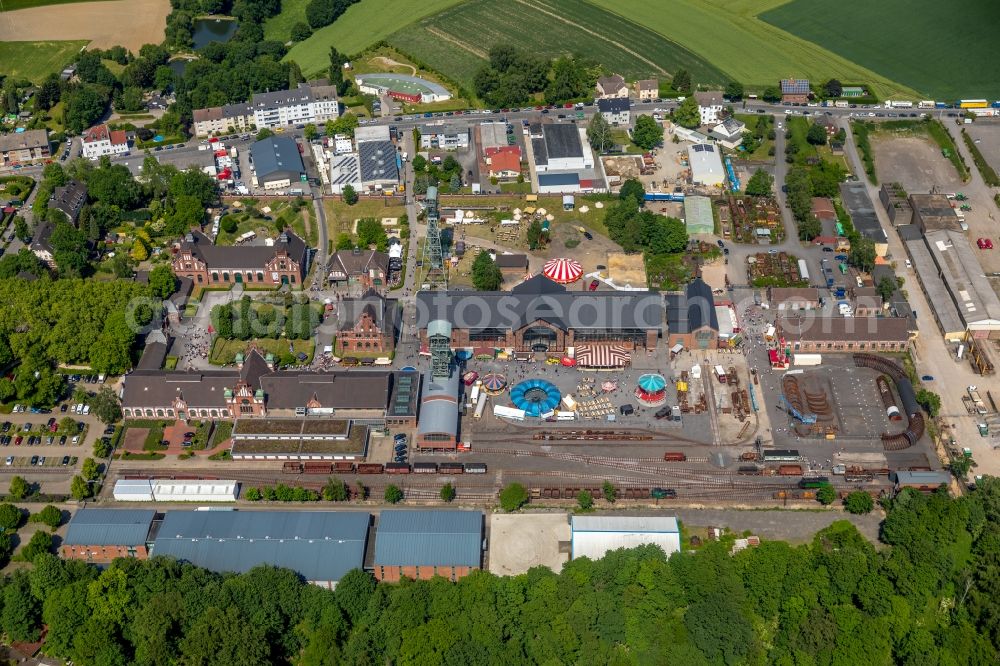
(596, 34)
(106, 24)
(460, 44)
(389, 62)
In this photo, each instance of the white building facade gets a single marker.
(594, 536)
(99, 140)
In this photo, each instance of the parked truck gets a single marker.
(720, 374)
(977, 401)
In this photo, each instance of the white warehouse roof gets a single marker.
(133, 490)
(706, 164)
(195, 491)
(594, 536)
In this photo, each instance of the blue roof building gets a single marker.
(101, 535)
(321, 546)
(424, 544)
(277, 162)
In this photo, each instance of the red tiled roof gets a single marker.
(96, 133)
(119, 137)
(505, 158)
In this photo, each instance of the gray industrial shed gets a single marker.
(321, 546)
(437, 427)
(277, 159)
(416, 543)
(109, 527)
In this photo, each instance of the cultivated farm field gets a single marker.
(728, 34)
(280, 27)
(36, 60)
(104, 24)
(945, 50)
(14, 5)
(362, 25)
(456, 41)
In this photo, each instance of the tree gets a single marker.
(393, 495)
(350, 196)
(535, 235)
(886, 288)
(252, 495)
(809, 228)
(647, 132)
(301, 32)
(337, 62)
(447, 492)
(816, 135)
(335, 490)
(310, 132)
(79, 488)
(105, 406)
(486, 275)
(930, 401)
(162, 281)
(681, 81)
(599, 134)
(229, 224)
(826, 495)
(833, 88)
(859, 502)
(344, 242)
(264, 133)
(419, 163)
(372, 233)
(862, 254)
(687, 114)
(609, 492)
(513, 497)
(21, 229)
(10, 517)
(734, 91)
(632, 188)
(19, 488)
(585, 499)
(345, 124)
(771, 95)
(40, 542)
(90, 470)
(102, 448)
(760, 184)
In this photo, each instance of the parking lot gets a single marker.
(985, 132)
(915, 162)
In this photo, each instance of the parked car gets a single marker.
(588, 235)
(65, 460)
(34, 460)
(10, 460)
(594, 284)
(985, 244)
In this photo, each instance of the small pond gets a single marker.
(213, 30)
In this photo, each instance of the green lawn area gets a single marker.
(456, 41)
(622, 138)
(36, 60)
(751, 120)
(728, 34)
(224, 351)
(280, 27)
(249, 220)
(910, 41)
(798, 127)
(340, 217)
(593, 219)
(362, 25)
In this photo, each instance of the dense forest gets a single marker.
(928, 598)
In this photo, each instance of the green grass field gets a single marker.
(362, 25)
(456, 40)
(945, 50)
(36, 60)
(12, 5)
(280, 27)
(728, 34)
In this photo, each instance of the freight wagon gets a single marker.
(674, 456)
(790, 470)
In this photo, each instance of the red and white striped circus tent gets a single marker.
(602, 356)
(563, 270)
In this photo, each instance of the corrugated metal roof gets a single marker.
(624, 524)
(319, 545)
(109, 527)
(439, 407)
(429, 538)
(139, 488)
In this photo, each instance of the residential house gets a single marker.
(40, 244)
(100, 140)
(277, 162)
(503, 163)
(710, 106)
(729, 133)
(20, 147)
(367, 325)
(283, 262)
(616, 110)
(223, 119)
(70, 199)
(444, 136)
(308, 103)
(611, 87)
(367, 268)
(647, 89)
(795, 91)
